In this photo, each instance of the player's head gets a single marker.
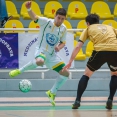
(60, 16)
(92, 19)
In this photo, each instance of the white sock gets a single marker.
(30, 65)
(59, 82)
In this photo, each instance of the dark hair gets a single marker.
(61, 11)
(92, 19)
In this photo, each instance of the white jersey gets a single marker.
(50, 35)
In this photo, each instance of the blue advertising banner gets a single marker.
(9, 51)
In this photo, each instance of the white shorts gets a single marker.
(53, 61)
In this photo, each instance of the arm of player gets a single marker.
(74, 53)
(32, 15)
(59, 47)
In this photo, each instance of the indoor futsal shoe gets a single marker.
(51, 97)
(14, 73)
(109, 104)
(76, 105)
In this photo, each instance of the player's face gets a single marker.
(59, 19)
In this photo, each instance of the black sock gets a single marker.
(82, 86)
(113, 86)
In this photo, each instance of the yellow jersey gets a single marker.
(104, 37)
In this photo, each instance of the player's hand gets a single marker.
(57, 49)
(67, 66)
(28, 4)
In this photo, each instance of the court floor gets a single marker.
(47, 110)
(40, 107)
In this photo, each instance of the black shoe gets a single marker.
(109, 104)
(5, 20)
(76, 105)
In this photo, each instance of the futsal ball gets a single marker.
(25, 85)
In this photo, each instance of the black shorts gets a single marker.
(97, 59)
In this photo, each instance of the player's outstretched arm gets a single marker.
(74, 53)
(32, 15)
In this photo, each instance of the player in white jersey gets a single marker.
(51, 40)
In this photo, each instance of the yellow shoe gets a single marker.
(14, 73)
(51, 96)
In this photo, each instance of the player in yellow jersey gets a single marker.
(52, 38)
(105, 51)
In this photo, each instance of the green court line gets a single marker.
(87, 107)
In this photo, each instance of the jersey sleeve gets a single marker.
(41, 20)
(84, 35)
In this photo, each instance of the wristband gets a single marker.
(29, 9)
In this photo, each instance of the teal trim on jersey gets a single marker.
(52, 52)
(36, 21)
(43, 34)
(58, 34)
(59, 31)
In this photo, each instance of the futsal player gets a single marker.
(104, 39)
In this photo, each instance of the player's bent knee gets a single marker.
(88, 72)
(64, 73)
(39, 62)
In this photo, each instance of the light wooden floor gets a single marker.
(58, 113)
(40, 107)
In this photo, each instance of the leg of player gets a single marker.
(82, 86)
(31, 65)
(59, 82)
(113, 88)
